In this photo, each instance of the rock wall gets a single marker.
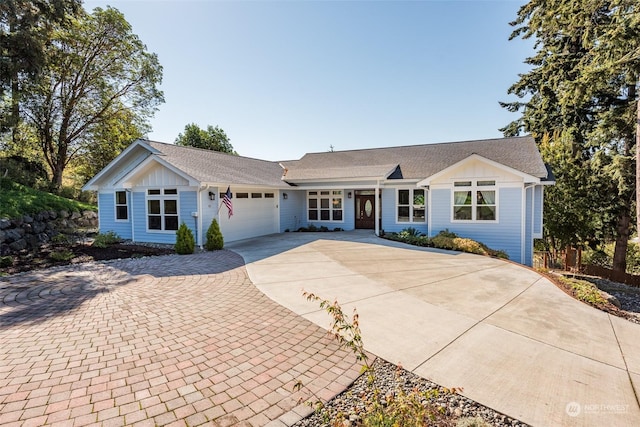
(30, 232)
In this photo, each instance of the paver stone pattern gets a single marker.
(172, 340)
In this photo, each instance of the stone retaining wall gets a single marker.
(30, 232)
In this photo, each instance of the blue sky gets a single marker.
(283, 78)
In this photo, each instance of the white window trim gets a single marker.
(474, 187)
(331, 196)
(115, 205)
(160, 197)
(411, 206)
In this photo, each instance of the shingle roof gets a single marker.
(215, 167)
(417, 161)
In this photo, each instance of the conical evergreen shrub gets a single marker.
(215, 241)
(185, 243)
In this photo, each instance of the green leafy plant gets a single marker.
(410, 232)
(215, 240)
(583, 290)
(61, 239)
(61, 256)
(103, 240)
(412, 408)
(345, 329)
(185, 242)
(6, 261)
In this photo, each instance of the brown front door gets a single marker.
(365, 211)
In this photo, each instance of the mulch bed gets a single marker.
(29, 261)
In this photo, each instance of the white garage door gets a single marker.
(255, 213)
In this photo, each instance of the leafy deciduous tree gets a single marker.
(213, 138)
(97, 71)
(25, 29)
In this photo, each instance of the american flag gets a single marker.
(226, 199)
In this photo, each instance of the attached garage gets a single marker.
(255, 213)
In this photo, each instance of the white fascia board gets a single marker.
(91, 186)
(372, 179)
(243, 185)
(124, 181)
(525, 176)
(400, 182)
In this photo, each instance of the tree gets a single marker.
(582, 87)
(25, 29)
(97, 70)
(110, 137)
(213, 138)
(215, 240)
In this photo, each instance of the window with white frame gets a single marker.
(474, 201)
(411, 205)
(325, 205)
(122, 208)
(162, 209)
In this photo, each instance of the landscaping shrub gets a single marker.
(215, 240)
(445, 240)
(6, 261)
(102, 240)
(61, 255)
(468, 245)
(398, 408)
(410, 232)
(185, 242)
(584, 291)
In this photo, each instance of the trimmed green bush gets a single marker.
(6, 261)
(185, 242)
(102, 240)
(61, 256)
(445, 240)
(215, 240)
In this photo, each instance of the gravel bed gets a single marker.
(390, 378)
(627, 296)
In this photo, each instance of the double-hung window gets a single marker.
(411, 205)
(325, 205)
(474, 201)
(162, 209)
(122, 208)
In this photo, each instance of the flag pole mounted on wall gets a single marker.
(226, 200)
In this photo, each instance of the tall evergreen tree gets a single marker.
(582, 87)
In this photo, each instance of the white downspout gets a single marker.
(525, 188)
(428, 201)
(200, 213)
(130, 206)
(377, 206)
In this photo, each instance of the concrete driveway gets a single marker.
(506, 335)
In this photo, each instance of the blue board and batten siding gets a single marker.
(506, 234)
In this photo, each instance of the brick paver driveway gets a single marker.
(180, 340)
